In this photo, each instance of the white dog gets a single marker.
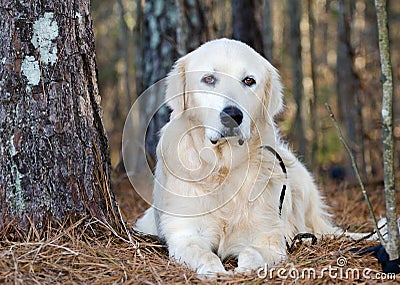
(220, 187)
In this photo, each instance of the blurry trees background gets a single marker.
(325, 50)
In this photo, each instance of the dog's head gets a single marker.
(227, 87)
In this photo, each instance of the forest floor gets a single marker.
(72, 256)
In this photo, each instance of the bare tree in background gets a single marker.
(267, 31)
(54, 162)
(170, 29)
(246, 23)
(294, 13)
(347, 88)
(392, 245)
(313, 100)
(126, 40)
(196, 24)
(324, 29)
(372, 138)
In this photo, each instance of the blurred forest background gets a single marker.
(325, 50)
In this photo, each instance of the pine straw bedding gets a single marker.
(80, 255)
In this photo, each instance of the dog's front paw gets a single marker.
(248, 260)
(210, 265)
(251, 259)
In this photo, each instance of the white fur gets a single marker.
(212, 201)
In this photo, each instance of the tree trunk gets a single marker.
(393, 244)
(313, 100)
(54, 162)
(125, 50)
(347, 88)
(268, 42)
(324, 26)
(373, 152)
(199, 22)
(294, 13)
(246, 23)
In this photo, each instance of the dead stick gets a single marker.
(355, 168)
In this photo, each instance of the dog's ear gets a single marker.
(175, 92)
(272, 101)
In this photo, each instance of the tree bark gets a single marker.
(392, 245)
(54, 162)
(294, 13)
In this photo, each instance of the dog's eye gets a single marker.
(249, 81)
(209, 79)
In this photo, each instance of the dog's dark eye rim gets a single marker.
(249, 81)
(209, 79)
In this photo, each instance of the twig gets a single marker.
(355, 168)
(113, 231)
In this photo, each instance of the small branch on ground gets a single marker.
(355, 168)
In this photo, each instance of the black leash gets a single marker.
(283, 167)
(388, 266)
(298, 239)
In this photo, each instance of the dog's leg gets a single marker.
(265, 250)
(372, 236)
(147, 223)
(190, 242)
(195, 252)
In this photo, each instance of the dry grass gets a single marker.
(77, 255)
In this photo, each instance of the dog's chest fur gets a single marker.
(247, 197)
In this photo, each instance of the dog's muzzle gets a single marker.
(231, 117)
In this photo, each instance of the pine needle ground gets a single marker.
(79, 254)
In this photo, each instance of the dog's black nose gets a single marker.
(231, 117)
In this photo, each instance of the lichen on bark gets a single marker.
(45, 32)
